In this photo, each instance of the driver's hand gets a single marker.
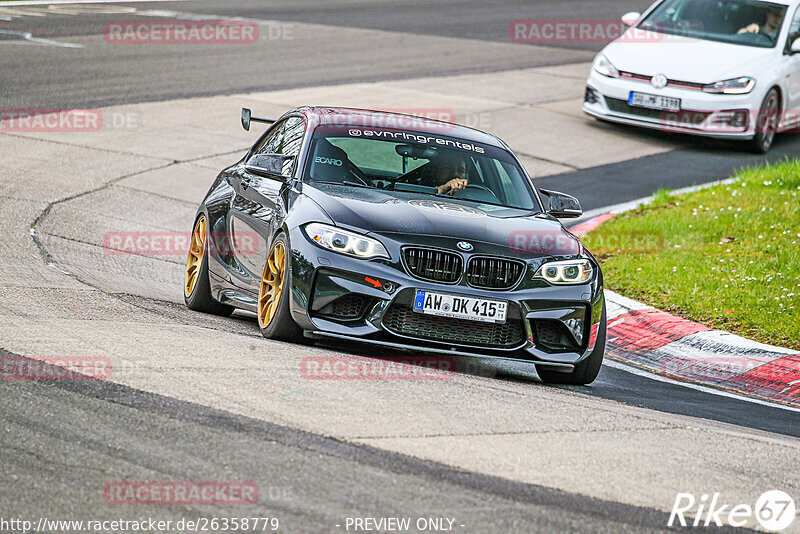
(751, 28)
(452, 186)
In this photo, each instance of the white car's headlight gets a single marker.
(566, 272)
(603, 66)
(345, 242)
(735, 86)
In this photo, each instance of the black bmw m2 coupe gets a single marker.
(403, 232)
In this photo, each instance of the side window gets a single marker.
(271, 141)
(285, 138)
(794, 28)
(513, 188)
(291, 140)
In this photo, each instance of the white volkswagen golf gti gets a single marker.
(719, 68)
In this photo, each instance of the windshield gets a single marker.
(418, 163)
(744, 22)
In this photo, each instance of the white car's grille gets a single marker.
(679, 84)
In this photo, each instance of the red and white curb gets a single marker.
(680, 350)
(684, 350)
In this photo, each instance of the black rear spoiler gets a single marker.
(247, 117)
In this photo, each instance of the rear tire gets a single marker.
(586, 371)
(276, 281)
(766, 123)
(196, 286)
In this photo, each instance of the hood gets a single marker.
(686, 59)
(427, 219)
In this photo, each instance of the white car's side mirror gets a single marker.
(631, 18)
(795, 48)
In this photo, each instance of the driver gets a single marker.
(447, 172)
(770, 27)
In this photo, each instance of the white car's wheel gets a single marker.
(766, 123)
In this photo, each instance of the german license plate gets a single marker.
(458, 307)
(644, 100)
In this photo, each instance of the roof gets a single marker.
(416, 121)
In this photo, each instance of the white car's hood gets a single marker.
(686, 59)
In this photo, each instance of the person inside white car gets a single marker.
(770, 26)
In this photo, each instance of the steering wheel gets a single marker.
(755, 38)
(484, 193)
(478, 187)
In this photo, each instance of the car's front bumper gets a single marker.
(706, 114)
(371, 301)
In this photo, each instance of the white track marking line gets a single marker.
(29, 39)
(705, 389)
(633, 204)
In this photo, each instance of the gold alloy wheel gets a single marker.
(195, 259)
(271, 288)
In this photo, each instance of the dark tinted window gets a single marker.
(284, 138)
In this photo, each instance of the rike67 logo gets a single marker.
(774, 511)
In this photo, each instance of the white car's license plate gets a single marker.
(459, 307)
(644, 100)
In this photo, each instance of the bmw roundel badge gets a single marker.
(463, 245)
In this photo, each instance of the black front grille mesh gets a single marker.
(401, 319)
(348, 306)
(433, 265)
(494, 273)
(552, 336)
(668, 117)
(621, 106)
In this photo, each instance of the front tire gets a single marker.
(586, 371)
(274, 318)
(196, 286)
(766, 123)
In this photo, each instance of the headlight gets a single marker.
(736, 86)
(344, 242)
(566, 272)
(603, 66)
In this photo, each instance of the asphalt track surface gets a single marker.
(96, 428)
(107, 427)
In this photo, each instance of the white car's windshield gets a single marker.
(744, 22)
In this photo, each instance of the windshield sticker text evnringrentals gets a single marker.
(419, 138)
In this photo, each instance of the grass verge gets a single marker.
(727, 256)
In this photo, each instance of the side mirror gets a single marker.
(795, 48)
(631, 18)
(268, 165)
(562, 205)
